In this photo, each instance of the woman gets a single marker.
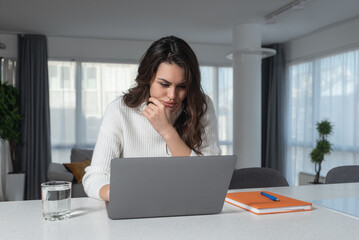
(165, 114)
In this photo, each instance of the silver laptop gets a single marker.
(168, 186)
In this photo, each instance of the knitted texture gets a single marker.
(126, 133)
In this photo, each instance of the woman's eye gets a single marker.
(182, 86)
(164, 84)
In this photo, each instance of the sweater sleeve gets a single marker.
(108, 146)
(210, 144)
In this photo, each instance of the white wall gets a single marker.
(331, 39)
(327, 40)
(11, 45)
(112, 50)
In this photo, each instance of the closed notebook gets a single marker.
(259, 204)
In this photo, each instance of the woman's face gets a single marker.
(169, 85)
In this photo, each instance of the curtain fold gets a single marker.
(34, 154)
(273, 96)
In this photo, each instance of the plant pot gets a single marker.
(15, 186)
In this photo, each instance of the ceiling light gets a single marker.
(270, 18)
(263, 52)
(2, 46)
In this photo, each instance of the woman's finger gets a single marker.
(155, 101)
(152, 106)
(149, 110)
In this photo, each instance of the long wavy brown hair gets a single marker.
(171, 50)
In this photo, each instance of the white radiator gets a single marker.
(306, 178)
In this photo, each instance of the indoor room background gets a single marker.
(321, 81)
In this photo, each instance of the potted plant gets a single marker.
(323, 147)
(10, 120)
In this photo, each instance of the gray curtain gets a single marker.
(35, 151)
(273, 93)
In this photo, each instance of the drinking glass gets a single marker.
(56, 200)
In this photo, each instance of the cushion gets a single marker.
(58, 172)
(78, 154)
(78, 169)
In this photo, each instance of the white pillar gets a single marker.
(247, 95)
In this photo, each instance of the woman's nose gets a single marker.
(171, 93)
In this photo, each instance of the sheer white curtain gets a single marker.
(101, 84)
(225, 109)
(217, 83)
(8, 73)
(323, 88)
(62, 88)
(79, 95)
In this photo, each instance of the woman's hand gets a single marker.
(161, 119)
(160, 116)
(105, 192)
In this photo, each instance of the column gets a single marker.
(247, 60)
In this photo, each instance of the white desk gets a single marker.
(23, 220)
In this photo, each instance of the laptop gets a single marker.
(168, 186)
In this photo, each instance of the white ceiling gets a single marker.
(197, 21)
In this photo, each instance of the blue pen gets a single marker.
(273, 198)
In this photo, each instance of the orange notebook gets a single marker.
(259, 204)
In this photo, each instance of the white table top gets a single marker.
(23, 220)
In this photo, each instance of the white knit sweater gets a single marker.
(125, 132)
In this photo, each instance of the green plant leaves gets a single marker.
(316, 156)
(323, 147)
(10, 117)
(324, 128)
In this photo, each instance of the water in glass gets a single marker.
(56, 200)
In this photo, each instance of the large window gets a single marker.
(323, 88)
(217, 83)
(81, 91)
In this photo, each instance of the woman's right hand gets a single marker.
(105, 192)
(160, 116)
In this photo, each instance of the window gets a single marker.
(102, 83)
(323, 88)
(62, 99)
(225, 110)
(81, 91)
(217, 83)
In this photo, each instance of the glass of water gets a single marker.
(56, 200)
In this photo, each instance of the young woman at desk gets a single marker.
(165, 114)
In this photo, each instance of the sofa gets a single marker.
(58, 172)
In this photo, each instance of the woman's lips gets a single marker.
(170, 105)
